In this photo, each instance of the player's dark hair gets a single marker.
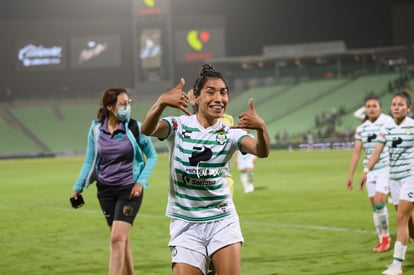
(109, 98)
(373, 97)
(404, 94)
(206, 71)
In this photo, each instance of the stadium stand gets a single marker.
(13, 142)
(238, 101)
(59, 125)
(294, 113)
(290, 111)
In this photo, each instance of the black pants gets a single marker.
(116, 204)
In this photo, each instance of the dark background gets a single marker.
(249, 25)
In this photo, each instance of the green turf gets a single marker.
(300, 220)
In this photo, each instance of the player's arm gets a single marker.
(152, 125)
(260, 146)
(176, 98)
(374, 157)
(371, 162)
(354, 161)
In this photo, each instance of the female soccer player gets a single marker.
(204, 222)
(399, 137)
(377, 182)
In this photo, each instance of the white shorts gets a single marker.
(194, 243)
(395, 187)
(406, 189)
(245, 161)
(378, 181)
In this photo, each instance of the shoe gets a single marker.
(384, 245)
(393, 269)
(249, 189)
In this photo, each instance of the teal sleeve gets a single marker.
(87, 163)
(150, 162)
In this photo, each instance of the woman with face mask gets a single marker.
(115, 160)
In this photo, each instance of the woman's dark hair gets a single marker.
(206, 71)
(406, 95)
(372, 97)
(109, 98)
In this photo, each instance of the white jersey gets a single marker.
(245, 161)
(199, 163)
(368, 133)
(400, 141)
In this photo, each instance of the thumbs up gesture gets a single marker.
(176, 98)
(250, 119)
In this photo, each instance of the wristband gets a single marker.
(366, 170)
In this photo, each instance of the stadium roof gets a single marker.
(301, 52)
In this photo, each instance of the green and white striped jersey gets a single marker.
(199, 163)
(400, 141)
(368, 133)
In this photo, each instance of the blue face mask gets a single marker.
(123, 113)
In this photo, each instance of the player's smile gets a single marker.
(216, 107)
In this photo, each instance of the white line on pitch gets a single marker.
(257, 223)
(303, 226)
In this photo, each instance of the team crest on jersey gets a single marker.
(221, 137)
(409, 130)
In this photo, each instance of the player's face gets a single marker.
(372, 109)
(399, 108)
(213, 98)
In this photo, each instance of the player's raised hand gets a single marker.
(250, 119)
(176, 98)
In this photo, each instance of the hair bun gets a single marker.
(207, 68)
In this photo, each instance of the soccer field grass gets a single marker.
(300, 220)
